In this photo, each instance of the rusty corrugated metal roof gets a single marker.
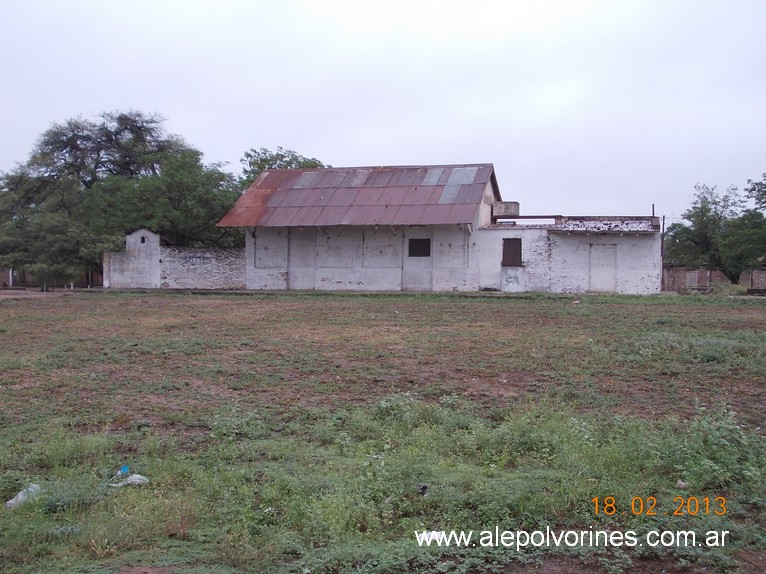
(408, 195)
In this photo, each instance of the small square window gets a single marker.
(511, 252)
(420, 248)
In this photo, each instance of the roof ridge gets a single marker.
(350, 167)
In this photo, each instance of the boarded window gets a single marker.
(420, 248)
(511, 252)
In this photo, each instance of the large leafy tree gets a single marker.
(128, 144)
(49, 245)
(182, 203)
(88, 182)
(743, 245)
(721, 235)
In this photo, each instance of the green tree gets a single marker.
(743, 244)
(38, 230)
(756, 190)
(129, 144)
(698, 243)
(257, 160)
(47, 245)
(87, 183)
(182, 203)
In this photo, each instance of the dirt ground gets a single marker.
(32, 294)
(324, 352)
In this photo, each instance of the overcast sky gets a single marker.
(583, 106)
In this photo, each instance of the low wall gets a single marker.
(202, 268)
(146, 265)
(678, 278)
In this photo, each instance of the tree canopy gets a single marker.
(127, 144)
(89, 182)
(257, 160)
(721, 234)
(756, 190)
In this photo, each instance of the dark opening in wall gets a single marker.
(420, 248)
(511, 252)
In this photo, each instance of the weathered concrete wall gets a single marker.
(146, 265)
(266, 251)
(138, 267)
(484, 213)
(454, 269)
(358, 258)
(574, 263)
(635, 262)
(535, 255)
(202, 268)
(462, 258)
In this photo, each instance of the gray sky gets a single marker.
(584, 106)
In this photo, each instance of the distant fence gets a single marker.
(20, 278)
(678, 278)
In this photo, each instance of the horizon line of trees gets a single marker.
(87, 183)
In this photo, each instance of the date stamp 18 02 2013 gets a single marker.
(648, 506)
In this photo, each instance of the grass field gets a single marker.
(296, 433)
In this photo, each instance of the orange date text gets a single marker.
(648, 506)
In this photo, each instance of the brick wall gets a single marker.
(677, 278)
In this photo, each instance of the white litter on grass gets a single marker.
(30, 492)
(132, 480)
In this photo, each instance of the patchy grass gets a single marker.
(285, 433)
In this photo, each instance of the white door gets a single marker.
(603, 268)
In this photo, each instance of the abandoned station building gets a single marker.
(419, 228)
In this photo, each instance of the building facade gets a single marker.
(412, 228)
(430, 228)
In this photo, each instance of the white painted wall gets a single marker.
(454, 268)
(266, 250)
(138, 267)
(561, 263)
(638, 265)
(535, 256)
(146, 265)
(463, 258)
(359, 258)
